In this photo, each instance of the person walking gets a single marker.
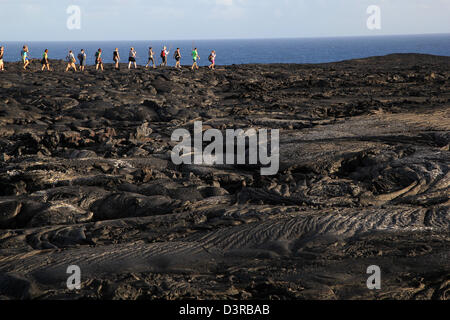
(2, 64)
(116, 58)
(98, 60)
(151, 58)
(44, 61)
(195, 57)
(82, 58)
(71, 62)
(132, 58)
(24, 54)
(164, 54)
(177, 57)
(212, 59)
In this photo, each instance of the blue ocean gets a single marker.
(229, 52)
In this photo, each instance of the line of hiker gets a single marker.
(132, 57)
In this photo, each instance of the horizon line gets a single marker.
(234, 39)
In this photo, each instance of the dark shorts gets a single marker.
(44, 62)
(98, 61)
(82, 63)
(131, 59)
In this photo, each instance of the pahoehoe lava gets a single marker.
(86, 179)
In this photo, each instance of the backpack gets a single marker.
(80, 57)
(176, 55)
(163, 54)
(210, 58)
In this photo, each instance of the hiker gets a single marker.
(132, 58)
(71, 61)
(2, 64)
(195, 57)
(24, 55)
(116, 58)
(98, 59)
(164, 54)
(150, 58)
(82, 58)
(44, 61)
(177, 57)
(212, 59)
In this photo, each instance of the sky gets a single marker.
(47, 20)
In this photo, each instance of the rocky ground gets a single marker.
(86, 179)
